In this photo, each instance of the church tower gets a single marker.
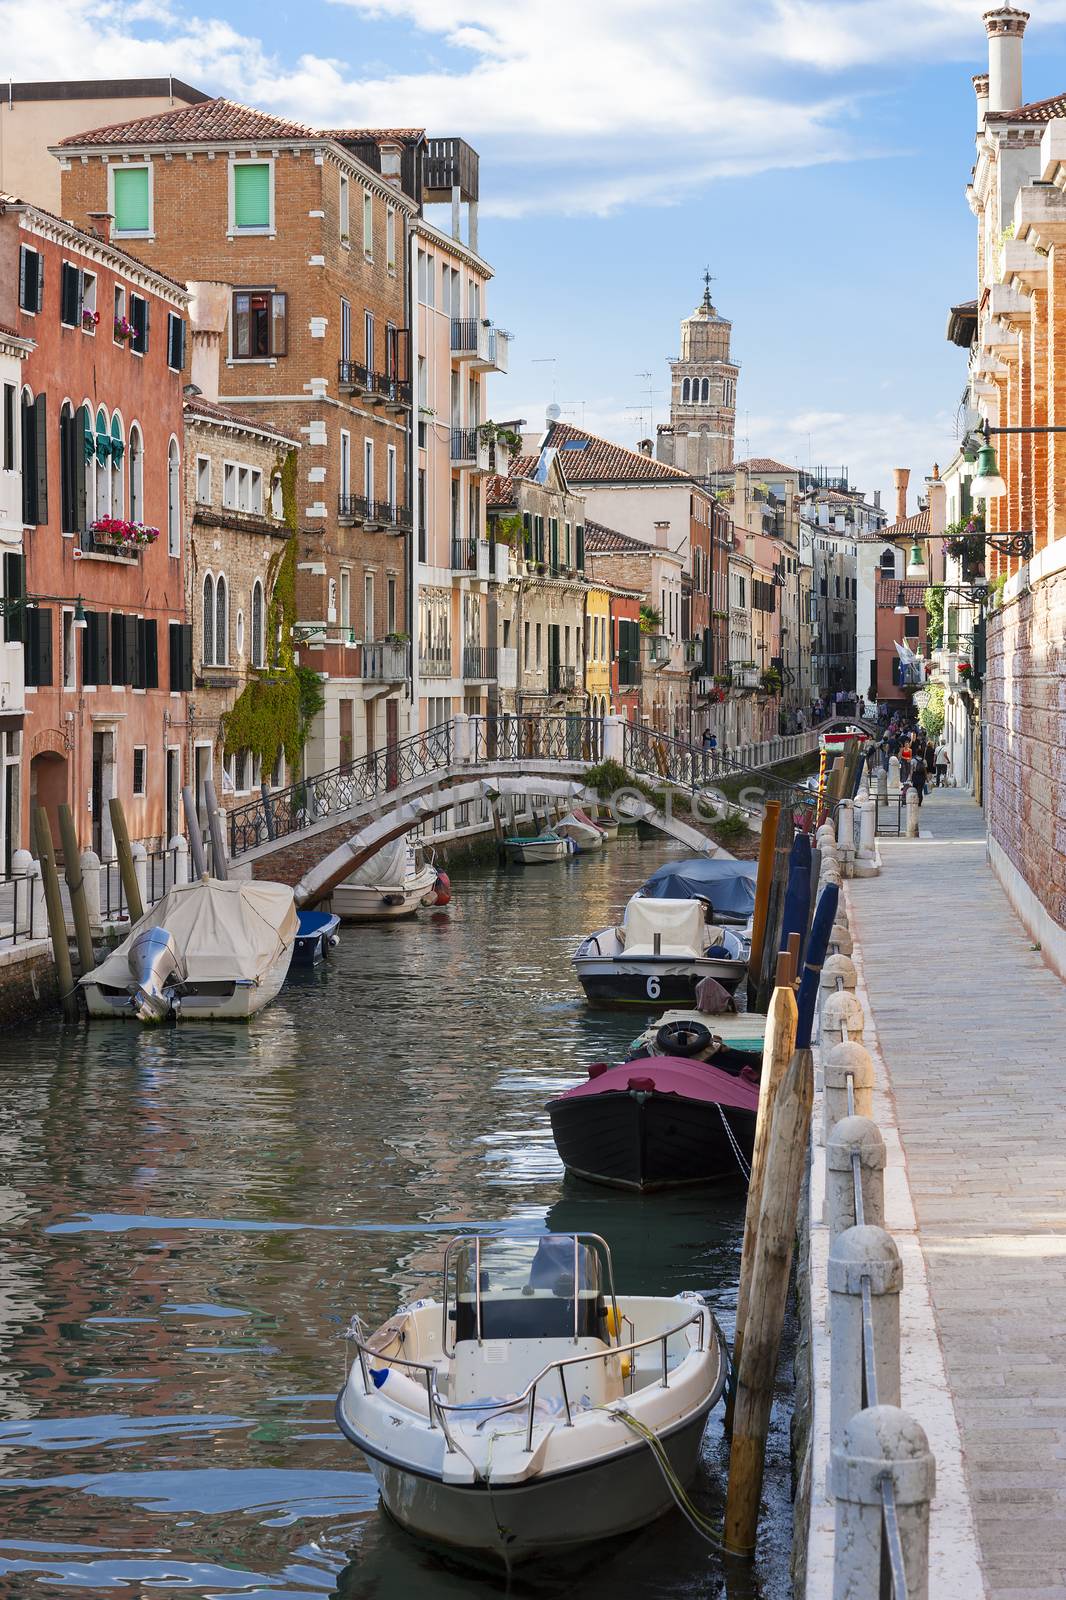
(703, 395)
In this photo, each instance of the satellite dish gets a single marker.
(553, 412)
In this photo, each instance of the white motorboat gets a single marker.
(586, 834)
(210, 950)
(545, 846)
(658, 954)
(393, 883)
(529, 1408)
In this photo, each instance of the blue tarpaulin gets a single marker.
(728, 885)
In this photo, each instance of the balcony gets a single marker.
(693, 653)
(435, 664)
(562, 679)
(468, 449)
(657, 649)
(354, 377)
(380, 514)
(12, 676)
(447, 165)
(479, 663)
(472, 556)
(745, 677)
(385, 662)
(393, 392)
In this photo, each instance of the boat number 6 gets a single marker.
(653, 988)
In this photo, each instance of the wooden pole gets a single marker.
(196, 838)
(764, 880)
(778, 1044)
(125, 859)
(786, 1163)
(76, 885)
(57, 922)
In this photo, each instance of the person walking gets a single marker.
(918, 775)
(942, 760)
(905, 755)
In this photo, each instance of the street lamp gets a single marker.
(901, 608)
(986, 483)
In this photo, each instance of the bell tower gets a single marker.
(703, 394)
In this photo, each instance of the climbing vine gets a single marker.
(278, 704)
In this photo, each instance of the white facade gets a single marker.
(13, 351)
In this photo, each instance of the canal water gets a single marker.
(190, 1216)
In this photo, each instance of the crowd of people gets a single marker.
(924, 762)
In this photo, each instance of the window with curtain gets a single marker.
(258, 657)
(101, 465)
(209, 621)
(259, 325)
(131, 199)
(221, 622)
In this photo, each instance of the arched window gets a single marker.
(221, 622)
(705, 390)
(209, 621)
(136, 475)
(258, 658)
(888, 560)
(118, 451)
(238, 634)
(173, 500)
(685, 389)
(98, 467)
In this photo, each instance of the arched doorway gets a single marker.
(48, 788)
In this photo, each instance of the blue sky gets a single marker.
(814, 152)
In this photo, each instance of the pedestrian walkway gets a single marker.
(972, 1028)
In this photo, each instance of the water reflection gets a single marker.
(192, 1215)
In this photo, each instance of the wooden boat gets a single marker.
(657, 1123)
(316, 936)
(394, 883)
(534, 851)
(497, 1419)
(210, 950)
(585, 834)
(658, 955)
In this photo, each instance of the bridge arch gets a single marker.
(839, 724)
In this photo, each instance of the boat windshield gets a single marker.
(545, 1288)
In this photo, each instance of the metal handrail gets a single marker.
(475, 1238)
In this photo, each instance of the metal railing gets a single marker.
(356, 506)
(465, 334)
(391, 388)
(562, 679)
(353, 375)
(435, 664)
(162, 874)
(531, 738)
(464, 448)
(464, 555)
(646, 751)
(21, 893)
(390, 513)
(479, 661)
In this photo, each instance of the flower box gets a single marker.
(119, 532)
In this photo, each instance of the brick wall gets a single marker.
(1024, 710)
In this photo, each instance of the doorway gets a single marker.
(103, 787)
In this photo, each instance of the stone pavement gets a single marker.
(972, 1028)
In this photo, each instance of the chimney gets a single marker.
(662, 535)
(208, 311)
(937, 495)
(980, 89)
(901, 476)
(1005, 27)
(644, 446)
(391, 162)
(877, 498)
(100, 224)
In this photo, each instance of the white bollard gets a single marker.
(845, 825)
(462, 741)
(856, 1254)
(838, 969)
(842, 1019)
(90, 876)
(826, 835)
(912, 814)
(140, 870)
(844, 1060)
(179, 851)
(879, 1444)
(850, 1136)
(840, 941)
(38, 908)
(868, 828)
(613, 738)
(882, 783)
(893, 775)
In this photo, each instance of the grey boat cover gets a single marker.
(728, 885)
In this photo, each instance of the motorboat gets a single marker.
(547, 845)
(658, 954)
(210, 950)
(395, 882)
(731, 1041)
(586, 834)
(727, 886)
(531, 1409)
(657, 1123)
(316, 936)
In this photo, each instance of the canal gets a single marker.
(191, 1215)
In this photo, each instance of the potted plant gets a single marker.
(89, 319)
(123, 330)
(770, 681)
(118, 531)
(397, 638)
(651, 621)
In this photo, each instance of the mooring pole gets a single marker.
(125, 859)
(763, 882)
(196, 838)
(57, 922)
(76, 884)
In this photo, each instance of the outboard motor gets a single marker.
(157, 970)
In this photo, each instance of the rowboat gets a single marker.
(545, 846)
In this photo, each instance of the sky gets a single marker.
(813, 153)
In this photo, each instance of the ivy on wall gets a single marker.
(278, 704)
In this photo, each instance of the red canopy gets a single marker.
(689, 1080)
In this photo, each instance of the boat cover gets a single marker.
(238, 929)
(578, 824)
(728, 885)
(679, 922)
(689, 1080)
(385, 870)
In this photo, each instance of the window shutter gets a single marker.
(14, 585)
(131, 200)
(38, 463)
(580, 557)
(147, 673)
(70, 295)
(118, 648)
(251, 195)
(29, 464)
(175, 342)
(180, 656)
(82, 429)
(38, 646)
(24, 261)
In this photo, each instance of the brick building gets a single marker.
(646, 657)
(236, 540)
(296, 242)
(107, 649)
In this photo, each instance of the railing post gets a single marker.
(179, 848)
(842, 1062)
(614, 739)
(881, 1444)
(461, 739)
(268, 817)
(857, 1256)
(882, 784)
(854, 1136)
(140, 871)
(912, 814)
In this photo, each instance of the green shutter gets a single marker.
(131, 200)
(251, 195)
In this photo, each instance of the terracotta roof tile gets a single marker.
(93, 239)
(216, 413)
(377, 134)
(584, 458)
(209, 122)
(499, 491)
(601, 540)
(761, 464)
(1036, 111)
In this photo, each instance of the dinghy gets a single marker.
(658, 955)
(531, 1407)
(393, 883)
(316, 936)
(545, 846)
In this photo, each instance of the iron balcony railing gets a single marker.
(465, 336)
(353, 375)
(435, 664)
(389, 513)
(391, 388)
(464, 555)
(561, 678)
(464, 447)
(356, 507)
(479, 662)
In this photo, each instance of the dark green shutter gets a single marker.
(581, 547)
(38, 646)
(70, 296)
(14, 585)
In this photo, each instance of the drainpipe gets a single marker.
(412, 468)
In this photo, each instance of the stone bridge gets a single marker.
(316, 832)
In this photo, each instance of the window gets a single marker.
(9, 460)
(368, 468)
(136, 475)
(31, 280)
(344, 212)
(173, 500)
(240, 772)
(255, 492)
(368, 607)
(119, 311)
(368, 338)
(221, 622)
(140, 767)
(390, 239)
(390, 477)
(95, 654)
(368, 224)
(203, 480)
(390, 624)
(180, 657)
(208, 640)
(684, 392)
(538, 647)
(346, 330)
(259, 325)
(391, 346)
(131, 199)
(100, 469)
(175, 342)
(346, 597)
(239, 634)
(423, 382)
(70, 296)
(229, 486)
(251, 197)
(346, 463)
(911, 626)
(258, 630)
(525, 644)
(244, 479)
(70, 655)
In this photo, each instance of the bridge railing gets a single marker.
(657, 755)
(531, 738)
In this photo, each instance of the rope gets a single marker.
(712, 1532)
(745, 1170)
